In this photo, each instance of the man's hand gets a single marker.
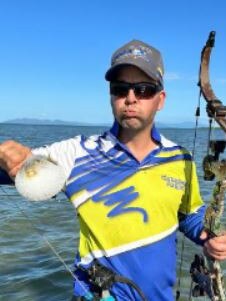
(12, 156)
(216, 246)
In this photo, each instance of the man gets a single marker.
(132, 187)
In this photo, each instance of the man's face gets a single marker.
(133, 112)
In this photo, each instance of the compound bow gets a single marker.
(205, 271)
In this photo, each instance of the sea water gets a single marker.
(29, 270)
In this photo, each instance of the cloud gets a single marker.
(172, 76)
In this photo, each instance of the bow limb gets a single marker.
(215, 108)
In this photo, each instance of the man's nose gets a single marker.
(131, 97)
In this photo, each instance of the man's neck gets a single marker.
(140, 143)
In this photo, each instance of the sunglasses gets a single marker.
(141, 90)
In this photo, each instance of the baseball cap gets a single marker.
(139, 54)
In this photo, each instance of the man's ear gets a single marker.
(162, 97)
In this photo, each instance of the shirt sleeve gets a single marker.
(192, 210)
(63, 153)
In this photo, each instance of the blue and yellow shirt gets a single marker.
(128, 211)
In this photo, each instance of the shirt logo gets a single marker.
(173, 182)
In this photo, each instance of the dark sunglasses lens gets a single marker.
(141, 90)
(145, 90)
(119, 89)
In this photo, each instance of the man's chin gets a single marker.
(131, 123)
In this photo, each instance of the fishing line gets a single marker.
(45, 239)
(197, 116)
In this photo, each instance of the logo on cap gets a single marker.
(133, 53)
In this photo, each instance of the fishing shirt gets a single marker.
(129, 211)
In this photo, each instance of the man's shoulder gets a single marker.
(171, 145)
(167, 142)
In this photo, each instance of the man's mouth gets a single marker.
(130, 114)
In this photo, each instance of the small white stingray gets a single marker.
(40, 179)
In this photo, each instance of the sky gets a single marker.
(54, 54)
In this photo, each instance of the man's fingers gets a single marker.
(218, 255)
(12, 172)
(12, 155)
(216, 247)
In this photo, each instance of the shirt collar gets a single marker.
(155, 135)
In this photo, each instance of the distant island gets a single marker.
(33, 121)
